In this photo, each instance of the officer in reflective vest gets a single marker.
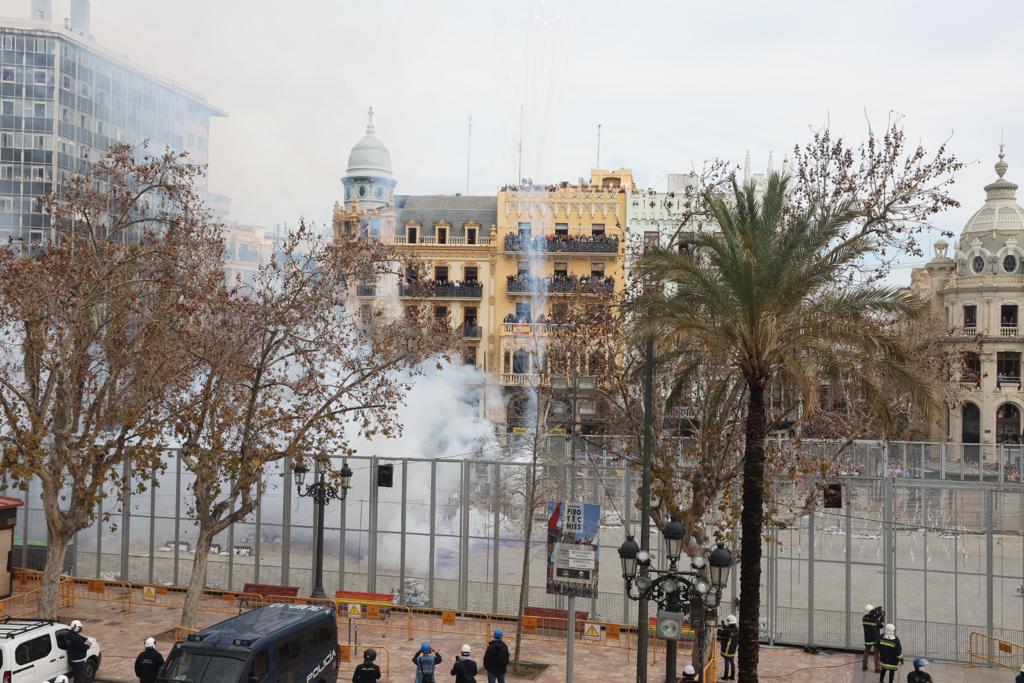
(890, 651)
(728, 637)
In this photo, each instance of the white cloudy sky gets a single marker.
(673, 83)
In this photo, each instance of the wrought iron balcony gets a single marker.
(560, 285)
(525, 329)
(524, 379)
(471, 331)
(366, 290)
(434, 289)
(449, 241)
(558, 244)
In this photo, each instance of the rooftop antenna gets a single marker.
(598, 165)
(469, 149)
(519, 177)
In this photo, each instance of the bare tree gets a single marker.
(290, 368)
(86, 349)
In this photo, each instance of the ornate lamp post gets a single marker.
(675, 591)
(322, 493)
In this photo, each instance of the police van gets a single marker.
(279, 643)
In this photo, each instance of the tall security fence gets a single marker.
(931, 531)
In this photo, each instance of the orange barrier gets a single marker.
(100, 590)
(20, 604)
(987, 650)
(395, 617)
(351, 656)
(711, 668)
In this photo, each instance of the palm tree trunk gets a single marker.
(752, 520)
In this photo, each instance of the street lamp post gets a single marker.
(322, 493)
(674, 590)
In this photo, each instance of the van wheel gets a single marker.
(90, 670)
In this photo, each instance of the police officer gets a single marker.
(689, 673)
(367, 672)
(919, 675)
(149, 662)
(728, 639)
(890, 651)
(78, 650)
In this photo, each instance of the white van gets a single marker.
(32, 651)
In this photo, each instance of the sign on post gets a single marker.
(592, 631)
(573, 548)
(355, 611)
(149, 593)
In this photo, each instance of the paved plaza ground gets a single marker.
(121, 636)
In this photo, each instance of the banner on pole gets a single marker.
(573, 548)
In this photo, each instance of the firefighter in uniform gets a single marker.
(890, 651)
(728, 637)
(871, 633)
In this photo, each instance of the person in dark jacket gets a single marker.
(728, 639)
(496, 659)
(890, 651)
(919, 675)
(367, 672)
(78, 650)
(465, 668)
(426, 661)
(873, 622)
(149, 662)
(1020, 676)
(689, 673)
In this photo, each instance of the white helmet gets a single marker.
(466, 650)
(890, 629)
(731, 620)
(868, 608)
(150, 642)
(61, 679)
(689, 670)
(76, 625)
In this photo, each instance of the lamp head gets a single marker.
(720, 561)
(674, 533)
(300, 471)
(346, 477)
(628, 553)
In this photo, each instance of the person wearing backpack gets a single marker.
(465, 668)
(496, 659)
(426, 661)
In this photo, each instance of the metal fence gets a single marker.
(931, 531)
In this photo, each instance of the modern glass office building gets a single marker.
(64, 100)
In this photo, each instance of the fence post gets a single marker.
(810, 579)
(126, 516)
(848, 565)
(464, 536)
(402, 599)
(286, 520)
(177, 512)
(989, 605)
(496, 504)
(433, 539)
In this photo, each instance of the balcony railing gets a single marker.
(525, 329)
(366, 290)
(523, 379)
(559, 244)
(1007, 381)
(449, 241)
(1007, 330)
(471, 331)
(441, 290)
(970, 330)
(970, 381)
(560, 285)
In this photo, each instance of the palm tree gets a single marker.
(770, 295)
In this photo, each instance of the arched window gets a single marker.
(1008, 424)
(970, 428)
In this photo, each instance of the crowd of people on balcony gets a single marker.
(561, 283)
(561, 242)
(525, 318)
(439, 287)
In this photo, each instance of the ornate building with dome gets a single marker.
(976, 292)
(369, 186)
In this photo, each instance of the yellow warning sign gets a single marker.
(149, 593)
(448, 617)
(355, 611)
(592, 631)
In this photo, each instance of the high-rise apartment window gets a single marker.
(8, 108)
(8, 75)
(65, 82)
(40, 77)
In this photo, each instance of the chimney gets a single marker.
(80, 16)
(42, 10)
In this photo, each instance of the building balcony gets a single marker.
(559, 244)
(1008, 382)
(970, 330)
(440, 289)
(471, 331)
(524, 379)
(1008, 330)
(970, 382)
(366, 290)
(525, 329)
(560, 284)
(480, 241)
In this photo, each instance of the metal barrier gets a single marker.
(20, 604)
(392, 617)
(351, 656)
(100, 590)
(986, 650)
(711, 668)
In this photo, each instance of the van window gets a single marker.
(259, 665)
(34, 649)
(62, 638)
(288, 654)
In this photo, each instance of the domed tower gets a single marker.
(991, 242)
(368, 179)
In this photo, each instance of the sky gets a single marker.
(671, 84)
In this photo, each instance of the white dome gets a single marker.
(1001, 213)
(369, 157)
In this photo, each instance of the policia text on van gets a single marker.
(297, 643)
